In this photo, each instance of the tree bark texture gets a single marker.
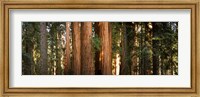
(123, 66)
(86, 49)
(67, 64)
(76, 46)
(105, 37)
(43, 49)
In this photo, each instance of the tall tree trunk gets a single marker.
(110, 45)
(43, 49)
(147, 48)
(142, 54)
(86, 49)
(129, 47)
(67, 64)
(155, 50)
(134, 52)
(76, 46)
(105, 36)
(123, 66)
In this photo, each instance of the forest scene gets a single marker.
(100, 48)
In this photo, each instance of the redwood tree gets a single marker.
(67, 49)
(105, 36)
(76, 46)
(86, 49)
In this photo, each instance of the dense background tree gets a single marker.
(43, 49)
(27, 53)
(100, 48)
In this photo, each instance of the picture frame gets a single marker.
(193, 5)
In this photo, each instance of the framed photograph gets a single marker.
(100, 48)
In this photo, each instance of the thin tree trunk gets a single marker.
(76, 46)
(148, 44)
(86, 49)
(129, 47)
(123, 66)
(43, 49)
(155, 51)
(134, 52)
(53, 55)
(67, 64)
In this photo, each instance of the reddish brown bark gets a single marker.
(86, 49)
(105, 36)
(67, 50)
(76, 46)
(110, 44)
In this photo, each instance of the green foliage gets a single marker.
(116, 39)
(96, 43)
